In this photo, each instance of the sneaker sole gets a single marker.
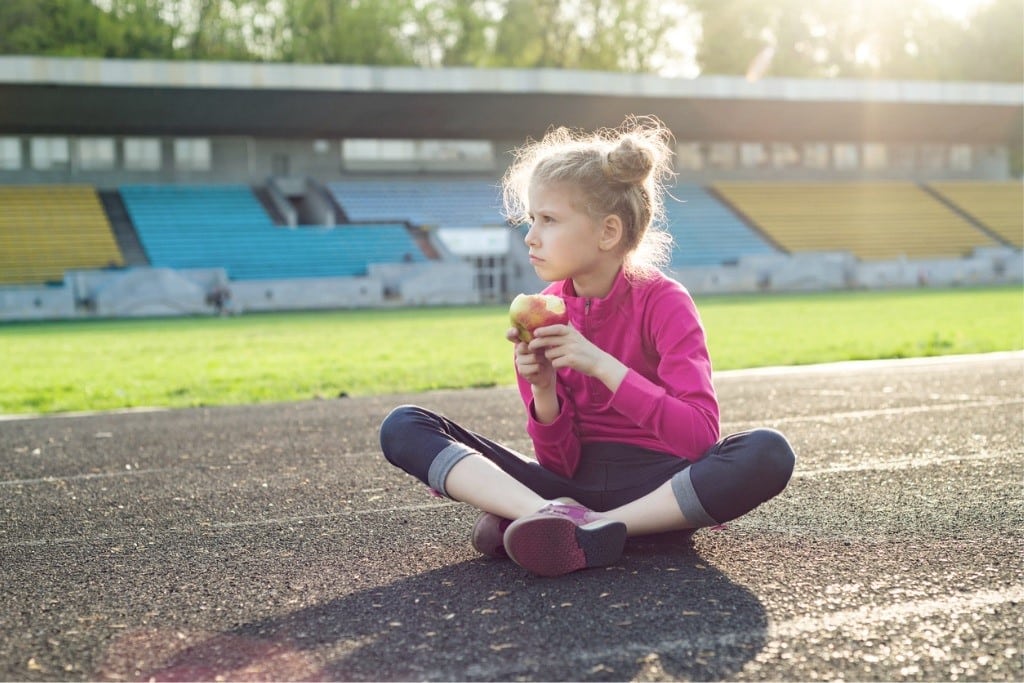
(549, 546)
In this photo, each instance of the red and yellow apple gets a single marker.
(530, 311)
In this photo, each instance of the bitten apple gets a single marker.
(530, 311)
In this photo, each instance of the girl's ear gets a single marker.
(611, 232)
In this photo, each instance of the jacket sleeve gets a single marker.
(679, 406)
(556, 445)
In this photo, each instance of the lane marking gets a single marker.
(840, 416)
(876, 364)
(87, 476)
(900, 464)
(224, 526)
(141, 410)
(845, 623)
(869, 615)
(735, 424)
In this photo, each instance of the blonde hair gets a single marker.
(620, 171)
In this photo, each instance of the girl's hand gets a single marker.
(562, 346)
(533, 367)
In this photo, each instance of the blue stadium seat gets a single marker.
(706, 232)
(226, 227)
(448, 203)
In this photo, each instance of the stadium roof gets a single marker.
(75, 96)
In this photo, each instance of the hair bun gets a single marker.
(629, 163)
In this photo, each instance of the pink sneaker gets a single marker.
(488, 532)
(561, 538)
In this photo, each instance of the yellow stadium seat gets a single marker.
(48, 229)
(999, 206)
(871, 220)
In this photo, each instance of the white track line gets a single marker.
(885, 412)
(823, 417)
(880, 364)
(846, 623)
(900, 464)
(875, 614)
(222, 526)
(13, 417)
(91, 475)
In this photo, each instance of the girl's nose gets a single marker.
(531, 237)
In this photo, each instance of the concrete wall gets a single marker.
(37, 303)
(154, 292)
(840, 271)
(427, 284)
(138, 292)
(306, 294)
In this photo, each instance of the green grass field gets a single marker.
(73, 366)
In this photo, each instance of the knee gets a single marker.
(395, 428)
(775, 457)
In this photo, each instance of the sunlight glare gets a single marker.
(961, 10)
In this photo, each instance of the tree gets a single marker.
(909, 39)
(606, 35)
(454, 33)
(346, 32)
(66, 28)
(993, 49)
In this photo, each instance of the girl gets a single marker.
(619, 403)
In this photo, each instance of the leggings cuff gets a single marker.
(443, 464)
(689, 503)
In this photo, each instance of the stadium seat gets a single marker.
(227, 227)
(871, 220)
(999, 206)
(705, 231)
(48, 229)
(450, 203)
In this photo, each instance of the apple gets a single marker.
(530, 311)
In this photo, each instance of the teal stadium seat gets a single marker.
(225, 226)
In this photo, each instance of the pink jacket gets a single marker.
(665, 403)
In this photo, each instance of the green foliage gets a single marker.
(72, 28)
(346, 32)
(909, 39)
(286, 357)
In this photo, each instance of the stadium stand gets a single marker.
(426, 202)
(872, 220)
(999, 206)
(47, 229)
(225, 226)
(705, 231)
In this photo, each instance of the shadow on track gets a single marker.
(664, 612)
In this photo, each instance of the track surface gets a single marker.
(274, 542)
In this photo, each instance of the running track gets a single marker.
(274, 543)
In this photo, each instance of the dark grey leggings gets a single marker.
(735, 475)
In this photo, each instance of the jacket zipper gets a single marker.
(588, 381)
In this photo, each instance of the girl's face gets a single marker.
(566, 243)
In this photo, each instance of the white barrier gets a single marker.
(136, 292)
(247, 296)
(837, 271)
(36, 303)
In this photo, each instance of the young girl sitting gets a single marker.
(620, 404)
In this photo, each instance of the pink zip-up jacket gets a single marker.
(665, 403)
